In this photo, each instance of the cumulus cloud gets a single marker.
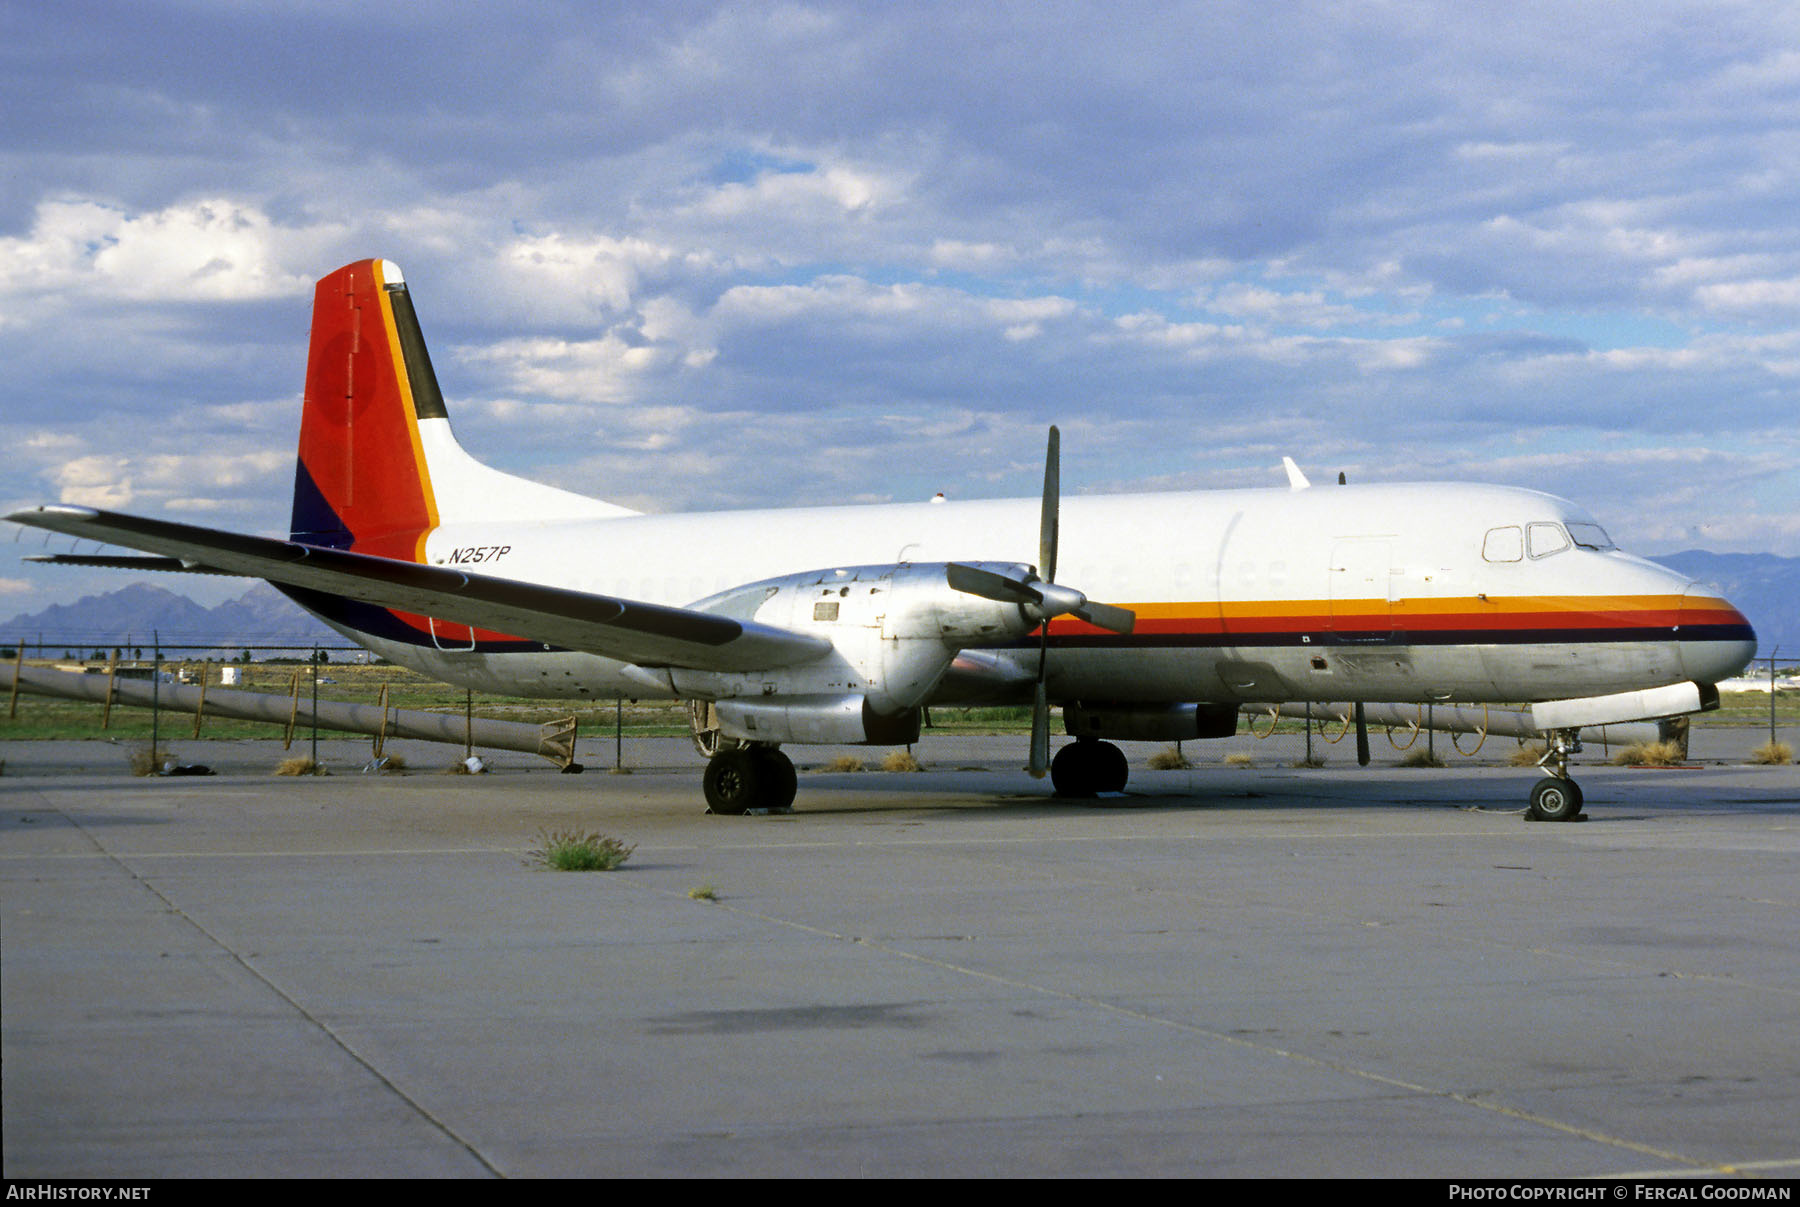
(97, 481)
(736, 255)
(207, 250)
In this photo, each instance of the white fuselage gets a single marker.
(1394, 593)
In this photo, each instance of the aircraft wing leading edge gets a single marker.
(627, 630)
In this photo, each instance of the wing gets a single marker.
(632, 632)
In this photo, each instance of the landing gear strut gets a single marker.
(1087, 767)
(753, 777)
(1556, 797)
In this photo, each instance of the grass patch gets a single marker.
(843, 764)
(1169, 758)
(1648, 754)
(573, 851)
(1421, 758)
(1312, 764)
(703, 892)
(901, 760)
(297, 766)
(1769, 754)
(1240, 760)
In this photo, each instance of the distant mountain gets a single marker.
(1764, 587)
(129, 616)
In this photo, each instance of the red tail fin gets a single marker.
(362, 480)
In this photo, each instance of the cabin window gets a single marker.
(1591, 536)
(1504, 544)
(1546, 539)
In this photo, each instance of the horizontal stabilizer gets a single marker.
(641, 633)
(173, 565)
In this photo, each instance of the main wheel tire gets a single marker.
(733, 782)
(1111, 769)
(1072, 772)
(779, 780)
(1554, 799)
(1088, 767)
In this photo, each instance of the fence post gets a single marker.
(112, 671)
(155, 698)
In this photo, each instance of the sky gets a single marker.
(690, 256)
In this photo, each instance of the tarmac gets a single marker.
(1228, 971)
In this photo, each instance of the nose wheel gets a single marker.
(1556, 797)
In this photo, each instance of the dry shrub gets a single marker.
(1169, 758)
(1527, 755)
(145, 761)
(1648, 754)
(296, 766)
(1773, 754)
(844, 763)
(901, 760)
(1240, 760)
(1421, 758)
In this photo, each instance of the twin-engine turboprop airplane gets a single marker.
(840, 624)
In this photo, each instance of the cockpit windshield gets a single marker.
(1543, 538)
(1589, 535)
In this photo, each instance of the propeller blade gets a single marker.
(1044, 599)
(1040, 733)
(1047, 521)
(1110, 617)
(973, 580)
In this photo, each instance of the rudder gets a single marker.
(362, 481)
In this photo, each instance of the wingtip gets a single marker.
(26, 514)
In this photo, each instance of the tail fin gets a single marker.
(379, 467)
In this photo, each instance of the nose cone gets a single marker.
(1716, 640)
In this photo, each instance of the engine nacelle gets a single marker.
(847, 720)
(894, 630)
(1151, 722)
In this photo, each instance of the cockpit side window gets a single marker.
(1590, 536)
(1546, 539)
(1504, 544)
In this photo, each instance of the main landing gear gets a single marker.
(1088, 767)
(750, 777)
(740, 776)
(1556, 797)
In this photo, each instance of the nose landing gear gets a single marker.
(1556, 797)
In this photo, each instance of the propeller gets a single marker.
(1041, 599)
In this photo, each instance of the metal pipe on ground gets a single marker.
(553, 740)
(1465, 718)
